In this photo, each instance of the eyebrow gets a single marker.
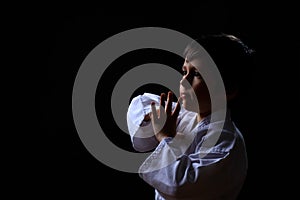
(192, 68)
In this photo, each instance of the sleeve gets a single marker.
(177, 171)
(141, 133)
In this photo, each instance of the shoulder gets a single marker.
(218, 137)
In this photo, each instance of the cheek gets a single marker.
(197, 85)
(201, 89)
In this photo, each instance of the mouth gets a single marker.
(183, 95)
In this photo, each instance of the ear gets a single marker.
(232, 94)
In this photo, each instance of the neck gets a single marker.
(202, 115)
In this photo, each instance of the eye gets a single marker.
(197, 75)
(184, 72)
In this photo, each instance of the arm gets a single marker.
(181, 167)
(176, 171)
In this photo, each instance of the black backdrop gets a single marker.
(68, 169)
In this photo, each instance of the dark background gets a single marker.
(66, 169)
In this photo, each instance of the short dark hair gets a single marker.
(234, 59)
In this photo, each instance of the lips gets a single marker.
(183, 95)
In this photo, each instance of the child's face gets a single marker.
(193, 90)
